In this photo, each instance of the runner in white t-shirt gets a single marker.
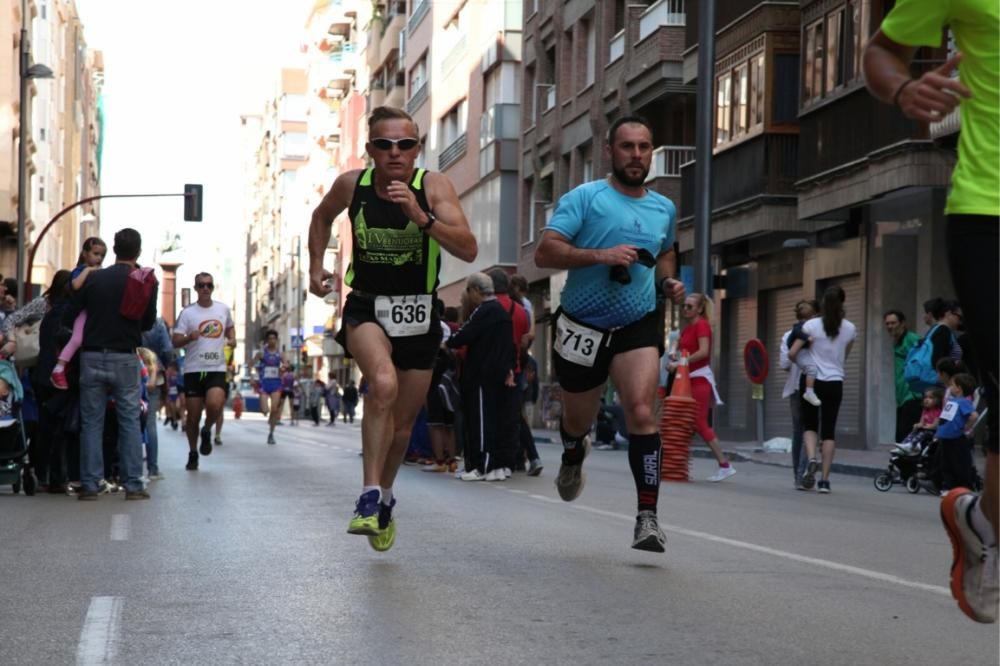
(204, 329)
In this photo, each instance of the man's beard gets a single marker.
(622, 177)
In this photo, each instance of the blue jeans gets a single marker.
(152, 442)
(114, 375)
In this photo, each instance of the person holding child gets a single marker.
(91, 257)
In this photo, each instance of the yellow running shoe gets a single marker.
(366, 515)
(387, 528)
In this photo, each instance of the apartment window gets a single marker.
(589, 52)
(41, 188)
(723, 118)
(421, 160)
(833, 46)
(418, 75)
(739, 107)
(502, 85)
(453, 124)
(41, 134)
(569, 60)
(529, 95)
(740, 101)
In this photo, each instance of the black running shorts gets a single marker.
(574, 378)
(413, 352)
(197, 384)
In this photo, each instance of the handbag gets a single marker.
(26, 338)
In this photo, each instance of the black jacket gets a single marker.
(489, 336)
(101, 297)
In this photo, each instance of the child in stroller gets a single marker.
(14, 467)
(923, 430)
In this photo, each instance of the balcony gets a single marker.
(418, 98)
(388, 43)
(950, 124)
(667, 161)
(418, 14)
(452, 153)
(332, 125)
(833, 135)
(751, 172)
(616, 49)
(661, 13)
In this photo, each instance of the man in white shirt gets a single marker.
(204, 329)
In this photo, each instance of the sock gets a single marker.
(724, 465)
(981, 524)
(60, 366)
(387, 496)
(368, 489)
(644, 461)
(573, 448)
(810, 391)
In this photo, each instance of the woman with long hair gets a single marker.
(696, 340)
(832, 336)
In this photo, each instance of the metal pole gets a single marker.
(23, 191)
(703, 148)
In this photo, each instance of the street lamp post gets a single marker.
(26, 71)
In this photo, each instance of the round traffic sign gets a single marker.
(755, 361)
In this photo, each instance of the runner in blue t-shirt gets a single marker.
(616, 239)
(268, 361)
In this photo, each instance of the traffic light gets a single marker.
(192, 203)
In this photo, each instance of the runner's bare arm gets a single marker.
(451, 230)
(556, 251)
(666, 270)
(332, 205)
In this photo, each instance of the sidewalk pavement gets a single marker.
(846, 461)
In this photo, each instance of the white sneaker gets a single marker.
(722, 474)
(507, 472)
(974, 582)
(496, 475)
(812, 398)
(474, 475)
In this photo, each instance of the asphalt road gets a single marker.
(247, 562)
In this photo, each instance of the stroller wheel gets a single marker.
(883, 482)
(913, 485)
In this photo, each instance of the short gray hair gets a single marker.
(481, 282)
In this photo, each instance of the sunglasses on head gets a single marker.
(204, 285)
(402, 144)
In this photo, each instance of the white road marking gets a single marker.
(121, 525)
(815, 561)
(99, 636)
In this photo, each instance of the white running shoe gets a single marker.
(507, 472)
(496, 475)
(974, 582)
(474, 475)
(722, 474)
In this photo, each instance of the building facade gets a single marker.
(64, 134)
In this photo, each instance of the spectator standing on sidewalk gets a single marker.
(333, 399)
(109, 366)
(696, 340)
(909, 403)
(973, 231)
(487, 377)
(349, 400)
(203, 329)
(832, 336)
(804, 311)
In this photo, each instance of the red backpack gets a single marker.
(139, 289)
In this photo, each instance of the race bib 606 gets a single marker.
(402, 316)
(577, 343)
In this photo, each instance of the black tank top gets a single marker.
(391, 255)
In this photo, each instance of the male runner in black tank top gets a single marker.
(401, 218)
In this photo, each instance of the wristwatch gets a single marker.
(430, 220)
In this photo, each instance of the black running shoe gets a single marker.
(648, 535)
(192, 461)
(206, 441)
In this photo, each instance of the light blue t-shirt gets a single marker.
(596, 216)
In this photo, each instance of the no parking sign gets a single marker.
(755, 361)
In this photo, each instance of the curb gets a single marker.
(740, 457)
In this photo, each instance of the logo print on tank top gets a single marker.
(391, 247)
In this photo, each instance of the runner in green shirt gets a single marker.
(973, 230)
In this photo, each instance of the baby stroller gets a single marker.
(908, 462)
(14, 467)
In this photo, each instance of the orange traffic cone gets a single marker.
(676, 426)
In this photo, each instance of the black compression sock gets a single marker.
(644, 461)
(573, 449)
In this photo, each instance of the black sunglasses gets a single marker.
(204, 285)
(402, 144)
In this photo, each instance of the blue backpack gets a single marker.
(918, 371)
